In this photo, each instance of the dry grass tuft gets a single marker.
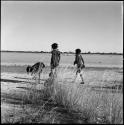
(64, 103)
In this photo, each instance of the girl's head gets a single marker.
(29, 69)
(54, 46)
(77, 51)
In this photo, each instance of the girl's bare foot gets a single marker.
(82, 82)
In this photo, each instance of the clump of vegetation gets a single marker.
(64, 103)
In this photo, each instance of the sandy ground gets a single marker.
(18, 83)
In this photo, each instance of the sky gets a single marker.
(95, 26)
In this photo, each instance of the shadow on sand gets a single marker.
(15, 81)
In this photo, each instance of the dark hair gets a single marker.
(29, 69)
(78, 51)
(54, 46)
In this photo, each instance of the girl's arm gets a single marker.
(82, 60)
(75, 62)
(59, 56)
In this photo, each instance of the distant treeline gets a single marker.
(101, 53)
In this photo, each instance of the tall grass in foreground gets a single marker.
(95, 107)
(64, 103)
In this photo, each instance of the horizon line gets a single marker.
(60, 51)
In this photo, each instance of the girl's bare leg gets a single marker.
(39, 78)
(51, 73)
(55, 73)
(82, 78)
(75, 76)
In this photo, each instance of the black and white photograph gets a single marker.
(61, 62)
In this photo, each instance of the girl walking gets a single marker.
(80, 64)
(55, 59)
